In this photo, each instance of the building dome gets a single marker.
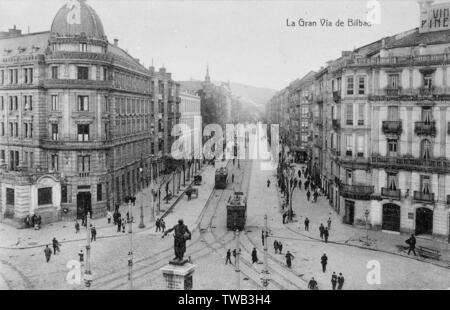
(76, 18)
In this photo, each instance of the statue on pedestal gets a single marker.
(182, 234)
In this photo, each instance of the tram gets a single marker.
(221, 178)
(236, 211)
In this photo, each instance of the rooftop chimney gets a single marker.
(116, 42)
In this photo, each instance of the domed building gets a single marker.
(82, 123)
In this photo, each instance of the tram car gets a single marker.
(221, 178)
(236, 211)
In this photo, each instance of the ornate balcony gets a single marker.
(390, 193)
(408, 163)
(359, 192)
(392, 127)
(427, 91)
(336, 124)
(422, 197)
(425, 128)
(74, 83)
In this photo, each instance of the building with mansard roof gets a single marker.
(82, 122)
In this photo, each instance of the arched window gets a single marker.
(426, 149)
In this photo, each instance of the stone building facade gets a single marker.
(82, 123)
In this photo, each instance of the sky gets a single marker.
(244, 41)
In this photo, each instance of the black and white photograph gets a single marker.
(224, 145)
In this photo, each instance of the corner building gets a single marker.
(82, 123)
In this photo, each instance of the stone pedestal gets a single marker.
(178, 276)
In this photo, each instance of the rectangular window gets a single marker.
(83, 47)
(105, 74)
(83, 103)
(393, 81)
(54, 162)
(2, 156)
(31, 160)
(83, 132)
(16, 129)
(425, 184)
(350, 85)
(360, 142)
(54, 72)
(63, 193)
(10, 196)
(361, 85)
(427, 80)
(2, 103)
(54, 132)
(99, 192)
(349, 145)
(28, 103)
(2, 129)
(392, 181)
(361, 114)
(349, 113)
(54, 102)
(427, 114)
(84, 163)
(393, 113)
(44, 196)
(83, 73)
(2, 77)
(392, 147)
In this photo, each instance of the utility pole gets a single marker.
(152, 201)
(87, 271)
(238, 252)
(131, 201)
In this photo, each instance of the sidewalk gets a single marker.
(341, 233)
(13, 238)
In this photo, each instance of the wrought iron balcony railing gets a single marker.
(390, 193)
(392, 127)
(422, 197)
(425, 128)
(337, 96)
(408, 163)
(359, 192)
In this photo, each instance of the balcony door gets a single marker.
(392, 181)
(425, 184)
(391, 217)
(392, 148)
(425, 149)
(427, 115)
(424, 221)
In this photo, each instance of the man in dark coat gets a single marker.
(56, 245)
(308, 195)
(340, 281)
(275, 246)
(300, 184)
(48, 253)
(158, 225)
(312, 284)
(228, 257)
(280, 247)
(321, 230)
(93, 234)
(182, 234)
(235, 255)
(334, 280)
(268, 183)
(324, 261)
(289, 258)
(254, 256)
(77, 227)
(307, 224)
(412, 244)
(325, 234)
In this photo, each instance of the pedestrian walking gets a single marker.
(119, 224)
(232, 178)
(412, 244)
(334, 280)
(275, 246)
(306, 186)
(300, 184)
(93, 234)
(56, 245)
(38, 222)
(77, 227)
(262, 237)
(329, 223)
(289, 258)
(123, 225)
(284, 217)
(325, 234)
(81, 256)
(109, 216)
(228, 257)
(307, 224)
(280, 247)
(321, 230)
(308, 194)
(312, 284)
(268, 182)
(158, 225)
(324, 261)
(163, 225)
(48, 253)
(234, 255)
(299, 173)
(340, 281)
(315, 195)
(254, 256)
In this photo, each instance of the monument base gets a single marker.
(178, 277)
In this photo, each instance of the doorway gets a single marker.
(391, 217)
(83, 204)
(349, 216)
(424, 221)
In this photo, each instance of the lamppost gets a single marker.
(87, 272)
(130, 200)
(141, 224)
(366, 214)
(291, 184)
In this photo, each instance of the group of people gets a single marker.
(160, 225)
(48, 252)
(33, 221)
(228, 259)
(336, 281)
(325, 231)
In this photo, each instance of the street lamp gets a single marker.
(141, 224)
(130, 200)
(366, 214)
